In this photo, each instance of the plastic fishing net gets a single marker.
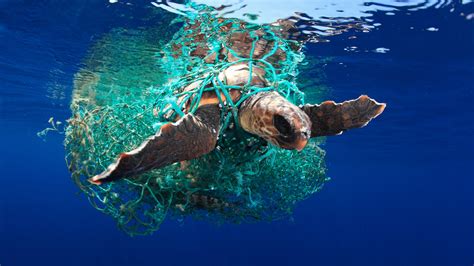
(119, 103)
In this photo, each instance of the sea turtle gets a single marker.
(266, 114)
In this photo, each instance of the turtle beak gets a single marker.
(293, 133)
(301, 141)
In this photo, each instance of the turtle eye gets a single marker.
(282, 125)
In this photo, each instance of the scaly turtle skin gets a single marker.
(265, 114)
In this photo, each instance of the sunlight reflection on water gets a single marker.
(324, 18)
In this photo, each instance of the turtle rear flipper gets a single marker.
(190, 137)
(330, 118)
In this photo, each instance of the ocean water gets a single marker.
(401, 189)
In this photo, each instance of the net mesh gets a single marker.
(117, 105)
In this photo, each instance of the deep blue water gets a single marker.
(402, 189)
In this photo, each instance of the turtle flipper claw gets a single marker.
(190, 137)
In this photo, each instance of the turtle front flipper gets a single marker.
(330, 118)
(190, 137)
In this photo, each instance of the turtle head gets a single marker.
(293, 130)
(275, 119)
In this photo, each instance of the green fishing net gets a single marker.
(131, 85)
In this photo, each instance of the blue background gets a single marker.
(401, 191)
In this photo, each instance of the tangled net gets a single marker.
(115, 108)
